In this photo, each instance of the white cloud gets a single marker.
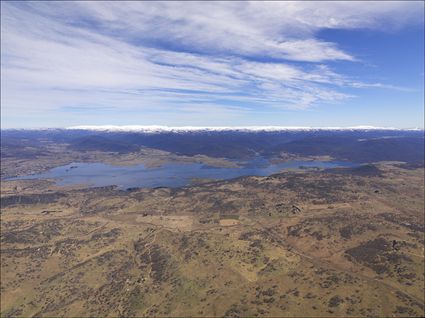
(278, 29)
(124, 55)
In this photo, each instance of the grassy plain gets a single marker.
(342, 242)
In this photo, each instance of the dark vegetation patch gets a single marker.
(411, 165)
(335, 301)
(157, 259)
(409, 301)
(378, 254)
(368, 254)
(111, 235)
(287, 209)
(263, 235)
(191, 245)
(43, 198)
(362, 171)
(38, 233)
(348, 231)
(326, 227)
(14, 312)
(229, 216)
(404, 311)
(323, 190)
(34, 253)
(271, 267)
(403, 220)
(235, 310)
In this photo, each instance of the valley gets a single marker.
(329, 241)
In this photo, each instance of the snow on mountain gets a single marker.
(181, 129)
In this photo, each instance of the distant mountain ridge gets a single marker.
(101, 143)
(159, 129)
(355, 144)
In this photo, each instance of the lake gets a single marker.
(167, 175)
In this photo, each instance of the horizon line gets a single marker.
(165, 128)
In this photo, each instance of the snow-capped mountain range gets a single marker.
(159, 129)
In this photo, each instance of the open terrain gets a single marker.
(32, 151)
(196, 159)
(334, 242)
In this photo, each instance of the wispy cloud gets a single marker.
(191, 57)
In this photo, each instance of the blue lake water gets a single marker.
(167, 175)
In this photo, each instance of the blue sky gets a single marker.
(212, 64)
